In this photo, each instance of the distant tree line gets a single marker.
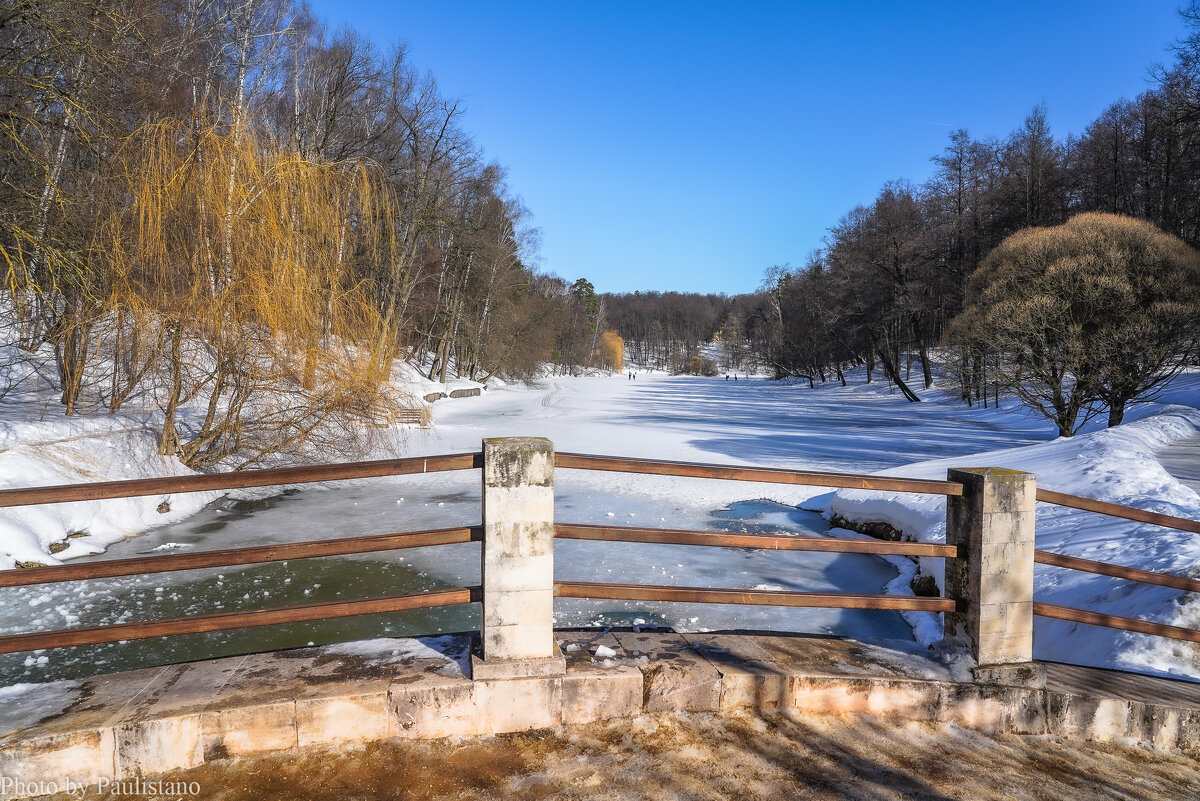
(665, 330)
(892, 275)
(222, 203)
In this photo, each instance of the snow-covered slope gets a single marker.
(73, 450)
(40, 447)
(1117, 465)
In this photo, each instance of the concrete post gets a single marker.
(518, 560)
(992, 524)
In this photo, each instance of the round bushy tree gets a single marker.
(1087, 316)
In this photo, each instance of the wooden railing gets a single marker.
(766, 475)
(94, 635)
(239, 479)
(1132, 624)
(460, 595)
(612, 591)
(658, 536)
(708, 595)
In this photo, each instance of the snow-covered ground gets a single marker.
(1119, 465)
(860, 428)
(39, 446)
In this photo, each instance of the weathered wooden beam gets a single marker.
(705, 595)
(94, 635)
(237, 556)
(1114, 622)
(237, 479)
(662, 536)
(579, 461)
(1117, 510)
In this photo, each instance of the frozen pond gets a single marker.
(751, 422)
(311, 580)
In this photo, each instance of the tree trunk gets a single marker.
(168, 442)
(889, 369)
(1116, 412)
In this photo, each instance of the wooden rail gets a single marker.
(1117, 510)
(705, 595)
(464, 534)
(94, 635)
(1114, 622)
(239, 556)
(662, 536)
(238, 479)
(1118, 571)
(579, 461)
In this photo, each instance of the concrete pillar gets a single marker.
(518, 560)
(992, 524)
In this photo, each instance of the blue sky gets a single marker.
(690, 146)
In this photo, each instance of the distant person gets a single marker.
(727, 376)
(735, 376)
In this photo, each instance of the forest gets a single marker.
(227, 215)
(225, 206)
(664, 330)
(893, 276)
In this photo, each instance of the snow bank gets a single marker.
(1116, 465)
(412, 379)
(39, 447)
(76, 450)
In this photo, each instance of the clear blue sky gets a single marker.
(692, 145)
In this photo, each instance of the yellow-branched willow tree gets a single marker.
(251, 297)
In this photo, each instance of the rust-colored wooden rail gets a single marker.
(94, 635)
(238, 479)
(1117, 571)
(1117, 510)
(1114, 622)
(239, 556)
(705, 595)
(579, 461)
(572, 531)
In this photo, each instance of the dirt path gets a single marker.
(701, 757)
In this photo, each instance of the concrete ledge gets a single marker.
(145, 722)
(546, 666)
(1027, 674)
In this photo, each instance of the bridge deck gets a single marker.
(159, 719)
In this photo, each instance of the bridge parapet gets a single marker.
(992, 526)
(517, 558)
(988, 600)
